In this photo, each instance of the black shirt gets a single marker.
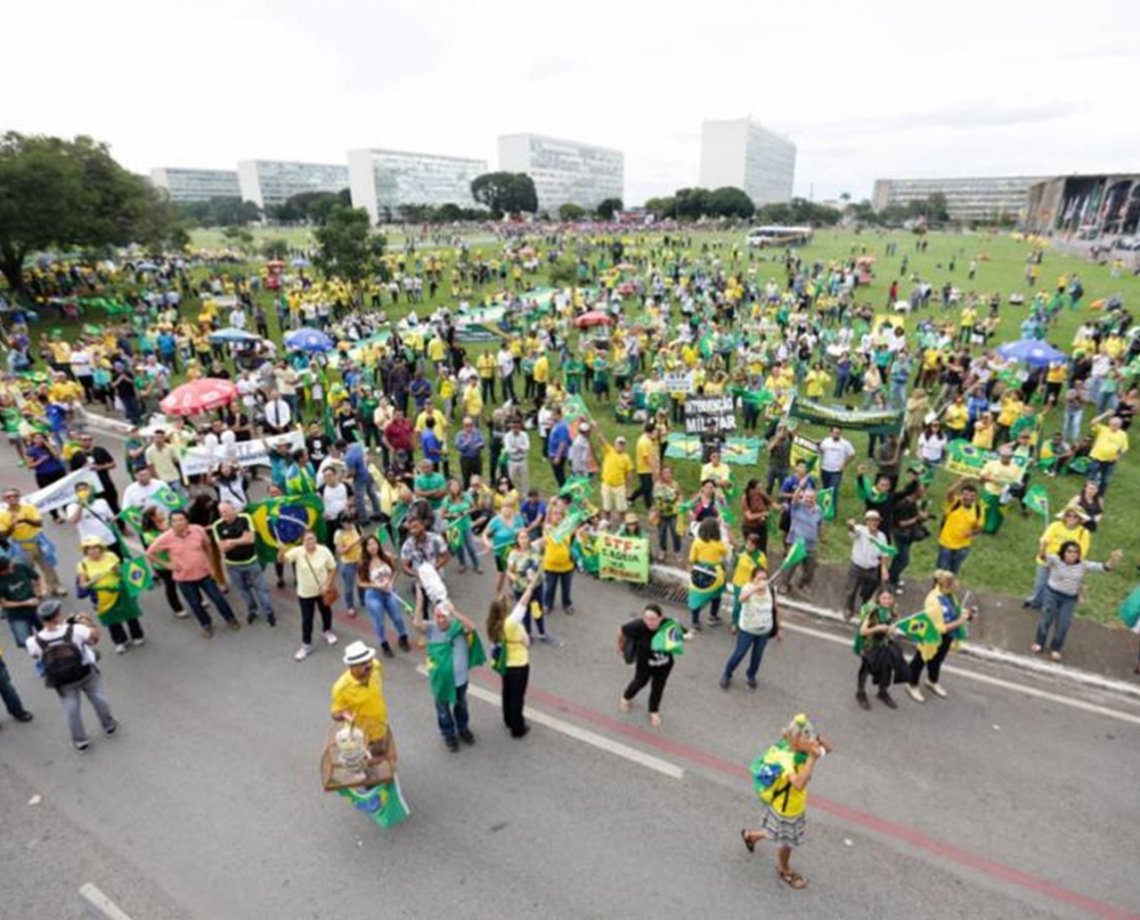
(642, 636)
(238, 555)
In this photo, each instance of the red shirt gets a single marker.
(399, 434)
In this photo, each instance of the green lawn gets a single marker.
(1002, 563)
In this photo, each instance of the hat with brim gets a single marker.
(358, 653)
(93, 540)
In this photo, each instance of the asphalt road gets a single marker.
(994, 803)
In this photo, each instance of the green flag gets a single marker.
(669, 638)
(441, 666)
(566, 529)
(797, 554)
(1037, 500)
(883, 547)
(575, 487)
(133, 518)
(169, 499)
(919, 628)
(826, 499)
(136, 574)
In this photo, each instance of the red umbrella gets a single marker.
(593, 318)
(199, 396)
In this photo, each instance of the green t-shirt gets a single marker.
(431, 482)
(19, 584)
(455, 510)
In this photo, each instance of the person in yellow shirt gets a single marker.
(1110, 443)
(956, 418)
(436, 350)
(358, 698)
(541, 375)
(473, 400)
(1011, 406)
(647, 459)
(21, 523)
(616, 469)
(486, 365)
(708, 556)
(1070, 525)
(961, 522)
(816, 381)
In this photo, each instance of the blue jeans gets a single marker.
(364, 487)
(453, 718)
(347, 572)
(1071, 427)
(466, 552)
(23, 625)
(8, 694)
(250, 583)
(1056, 611)
(551, 580)
(378, 603)
(1040, 581)
(193, 590)
(951, 559)
(831, 480)
(1099, 472)
(745, 642)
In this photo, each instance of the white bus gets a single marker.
(775, 235)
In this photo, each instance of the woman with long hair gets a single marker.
(346, 544)
(457, 508)
(666, 507)
(154, 525)
(945, 611)
(512, 660)
(375, 576)
(1065, 574)
(499, 537)
(755, 505)
(707, 558)
(315, 570)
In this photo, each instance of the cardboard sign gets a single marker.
(709, 414)
(623, 558)
(678, 381)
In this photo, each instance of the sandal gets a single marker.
(748, 841)
(793, 879)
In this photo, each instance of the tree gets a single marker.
(571, 211)
(220, 211)
(162, 227)
(730, 202)
(608, 207)
(56, 192)
(237, 237)
(505, 192)
(663, 207)
(275, 249)
(347, 247)
(692, 202)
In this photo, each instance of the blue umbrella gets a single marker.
(1031, 352)
(301, 263)
(233, 335)
(308, 340)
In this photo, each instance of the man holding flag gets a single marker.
(870, 557)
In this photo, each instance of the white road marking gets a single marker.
(580, 734)
(992, 681)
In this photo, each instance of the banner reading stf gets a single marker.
(623, 558)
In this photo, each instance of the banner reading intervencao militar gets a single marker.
(623, 558)
(709, 414)
(872, 421)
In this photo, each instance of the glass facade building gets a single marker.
(196, 184)
(564, 172)
(268, 183)
(382, 180)
(743, 154)
(980, 198)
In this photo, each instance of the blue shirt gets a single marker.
(431, 446)
(356, 463)
(558, 442)
(533, 511)
(789, 484)
(805, 523)
(469, 445)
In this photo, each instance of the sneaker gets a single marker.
(623, 704)
(467, 737)
(886, 699)
(251, 619)
(387, 650)
(751, 681)
(550, 639)
(180, 614)
(302, 653)
(1035, 648)
(271, 620)
(861, 696)
(207, 632)
(715, 620)
(478, 571)
(120, 648)
(1056, 656)
(81, 746)
(280, 582)
(24, 716)
(725, 680)
(233, 624)
(330, 637)
(569, 611)
(111, 731)
(140, 641)
(404, 645)
(915, 694)
(696, 627)
(936, 690)
(452, 744)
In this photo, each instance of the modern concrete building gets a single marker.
(196, 184)
(268, 183)
(564, 172)
(1091, 205)
(380, 181)
(742, 154)
(981, 198)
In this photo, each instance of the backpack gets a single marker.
(62, 659)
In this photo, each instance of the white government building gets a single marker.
(196, 184)
(564, 172)
(380, 181)
(268, 183)
(743, 154)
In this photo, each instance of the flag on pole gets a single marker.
(920, 629)
(883, 547)
(132, 517)
(669, 638)
(826, 499)
(797, 554)
(1037, 500)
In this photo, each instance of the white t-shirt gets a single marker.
(506, 362)
(136, 495)
(94, 520)
(335, 500)
(80, 635)
(833, 454)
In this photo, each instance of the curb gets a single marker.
(678, 577)
(98, 906)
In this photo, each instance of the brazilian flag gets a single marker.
(705, 584)
(169, 499)
(884, 547)
(920, 629)
(826, 499)
(669, 638)
(136, 575)
(441, 665)
(133, 518)
(282, 522)
(383, 803)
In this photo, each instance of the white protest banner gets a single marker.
(62, 492)
(678, 381)
(198, 460)
(709, 414)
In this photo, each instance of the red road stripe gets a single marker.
(853, 816)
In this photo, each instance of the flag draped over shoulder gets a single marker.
(920, 629)
(281, 522)
(883, 547)
(669, 639)
(441, 665)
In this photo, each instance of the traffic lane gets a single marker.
(215, 796)
(940, 768)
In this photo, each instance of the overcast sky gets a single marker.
(864, 89)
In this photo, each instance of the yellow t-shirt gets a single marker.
(472, 401)
(957, 417)
(21, 533)
(959, 524)
(746, 567)
(815, 382)
(365, 702)
(514, 639)
(1109, 445)
(542, 369)
(708, 552)
(646, 454)
(312, 570)
(983, 437)
(102, 576)
(615, 467)
(341, 539)
(486, 365)
(1057, 533)
(718, 473)
(556, 554)
(435, 349)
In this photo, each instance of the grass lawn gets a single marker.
(1001, 563)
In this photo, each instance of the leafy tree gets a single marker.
(505, 192)
(608, 207)
(571, 211)
(347, 247)
(275, 248)
(692, 202)
(56, 192)
(448, 213)
(220, 211)
(237, 236)
(161, 227)
(663, 207)
(730, 202)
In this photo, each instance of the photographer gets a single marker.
(66, 650)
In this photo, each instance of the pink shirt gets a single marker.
(189, 555)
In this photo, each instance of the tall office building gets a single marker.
(742, 154)
(268, 183)
(564, 172)
(381, 181)
(196, 184)
(980, 198)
